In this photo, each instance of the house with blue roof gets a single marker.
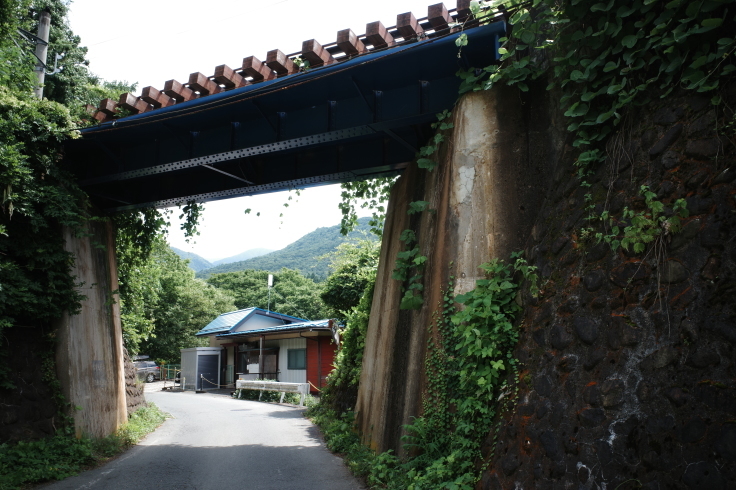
(260, 344)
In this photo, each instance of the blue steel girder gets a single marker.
(360, 118)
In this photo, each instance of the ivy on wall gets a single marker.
(410, 261)
(469, 357)
(607, 56)
(38, 198)
(603, 59)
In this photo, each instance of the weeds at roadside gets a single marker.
(63, 455)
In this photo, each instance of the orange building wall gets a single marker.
(325, 350)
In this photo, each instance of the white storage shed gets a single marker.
(200, 368)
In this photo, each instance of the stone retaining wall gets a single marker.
(28, 408)
(629, 377)
(629, 360)
(134, 387)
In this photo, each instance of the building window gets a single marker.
(297, 359)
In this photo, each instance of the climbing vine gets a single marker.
(410, 261)
(472, 375)
(635, 229)
(608, 56)
(38, 198)
(602, 59)
(468, 365)
(374, 194)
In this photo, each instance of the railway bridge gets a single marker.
(356, 108)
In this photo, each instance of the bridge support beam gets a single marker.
(485, 190)
(89, 352)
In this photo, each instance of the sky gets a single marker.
(152, 41)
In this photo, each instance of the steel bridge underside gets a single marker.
(357, 119)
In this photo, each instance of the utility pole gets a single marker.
(270, 285)
(42, 47)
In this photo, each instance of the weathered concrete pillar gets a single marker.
(89, 353)
(484, 193)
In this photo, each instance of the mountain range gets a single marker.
(248, 254)
(302, 255)
(196, 263)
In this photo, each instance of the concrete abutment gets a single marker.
(89, 352)
(483, 196)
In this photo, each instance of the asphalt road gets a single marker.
(216, 442)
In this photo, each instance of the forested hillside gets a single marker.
(302, 255)
(196, 263)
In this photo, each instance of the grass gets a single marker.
(63, 455)
(341, 438)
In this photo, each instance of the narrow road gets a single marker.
(216, 442)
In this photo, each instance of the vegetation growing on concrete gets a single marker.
(604, 59)
(469, 358)
(608, 57)
(38, 197)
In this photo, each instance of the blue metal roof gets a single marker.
(351, 120)
(234, 319)
(317, 324)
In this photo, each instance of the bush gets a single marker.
(64, 455)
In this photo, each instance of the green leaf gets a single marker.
(629, 41)
(588, 96)
(604, 117)
(699, 62)
(576, 75)
(692, 9)
(625, 11)
(577, 110)
(528, 37)
(601, 7)
(610, 66)
(712, 23)
(417, 207)
(411, 301)
(408, 236)
(426, 163)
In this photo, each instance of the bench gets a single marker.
(301, 388)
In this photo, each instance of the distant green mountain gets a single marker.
(196, 263)
(300, 255)
(248, 254)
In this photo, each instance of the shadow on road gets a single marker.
(233, 467)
